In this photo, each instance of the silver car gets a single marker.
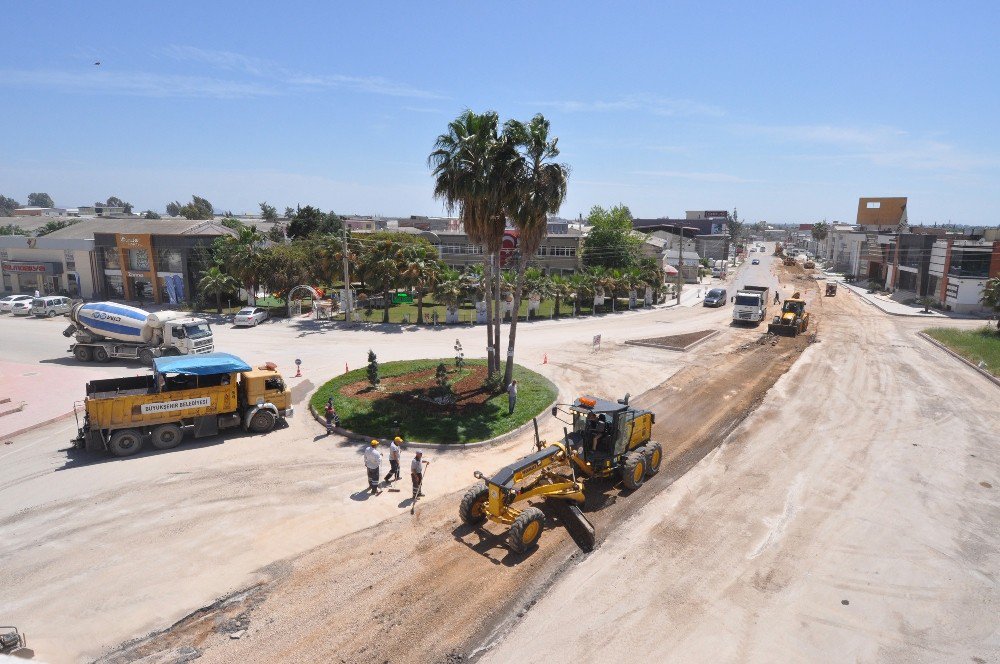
(7, 303)
(250, 316)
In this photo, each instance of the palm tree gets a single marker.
(562, 288)
(421, 269)
(241, 257)
(539, 190)
(216, 282)
(471, 165)
(449, 289)
(380, 267)
(582, 284)
(652, 274)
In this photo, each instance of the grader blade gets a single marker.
(580, 529)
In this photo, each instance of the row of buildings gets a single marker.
(947, 266)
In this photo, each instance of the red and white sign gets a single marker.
(511, 238)
(25, 267)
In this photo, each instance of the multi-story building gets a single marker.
(958, 270)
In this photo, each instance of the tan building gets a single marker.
(882, 213)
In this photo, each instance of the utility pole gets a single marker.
(680, 265)
(347, 275)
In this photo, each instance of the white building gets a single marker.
(48, 265)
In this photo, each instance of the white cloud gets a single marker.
(640, 103)
(139, 84)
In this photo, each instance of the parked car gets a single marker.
(250, 316)
(715, 298)
(21, 307)
(48, 307)
(7, 303)
(755, 261)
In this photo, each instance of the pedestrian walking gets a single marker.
(394, 458)
(417, 467)
(512, 396)
(332, 420)
(373, 463)
(777, 298)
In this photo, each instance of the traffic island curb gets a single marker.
(990, 377)
(8, 436)
(353, 435)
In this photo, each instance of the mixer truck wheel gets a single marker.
(262, 421)
(125, 442)
(101, 355)
(167, 436)
(146, 357)
(83, 353)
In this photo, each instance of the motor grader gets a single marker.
(794, 318)
(608, 440)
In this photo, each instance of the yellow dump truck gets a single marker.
(196, 395)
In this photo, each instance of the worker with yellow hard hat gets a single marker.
(394, 459)
(373, 464)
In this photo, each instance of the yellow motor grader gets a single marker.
(608, 440)
(794, 318)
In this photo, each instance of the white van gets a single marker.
(47, 307)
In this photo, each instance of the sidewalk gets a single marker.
(890, 306)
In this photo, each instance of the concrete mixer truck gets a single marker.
(106, 330)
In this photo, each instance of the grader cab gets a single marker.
(608, 440)
(794, 318)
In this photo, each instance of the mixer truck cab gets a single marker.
(107, 330)
(197, 395)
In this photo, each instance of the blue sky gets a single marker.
(787, 111)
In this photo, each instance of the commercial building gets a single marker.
(958, 271)
(124, 259)
(39, 212)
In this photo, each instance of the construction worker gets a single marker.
(331, 417)
(417, 467)
(777, 298)
(373, 463)
(394, 458)
(511, 396)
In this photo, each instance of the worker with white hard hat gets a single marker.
(373, 464)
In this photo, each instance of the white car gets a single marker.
(7, 303)
(250, 316)
(22, 307)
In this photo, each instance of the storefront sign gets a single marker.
(183, 404)
(31, 268)
(139, 275)
(130, 241)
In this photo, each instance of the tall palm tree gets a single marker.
(539, 190)
(562, 289)
(216, 282)
(241, 258)
(421, 269)
(449, 289)
(471, 166)
(380, 267)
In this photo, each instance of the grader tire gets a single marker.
(526, 530)
(167, 436)
(634, 470)
(125, 442)
(654, 457)
(472, 509)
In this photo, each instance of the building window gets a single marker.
(563, 251)
(169, 260)
(138, 259)
(111, 261)
(115, 286)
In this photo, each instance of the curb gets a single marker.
(36, 424)
(894, 313)
(675, 348)
(967, 362)
(353, 435)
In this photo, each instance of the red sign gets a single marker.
(508, 246)
(24, 267)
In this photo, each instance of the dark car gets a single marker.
(715, 298)
(755, 261)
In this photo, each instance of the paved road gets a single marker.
(124, 546)
(853, 517)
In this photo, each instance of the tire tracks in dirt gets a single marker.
(429, 589)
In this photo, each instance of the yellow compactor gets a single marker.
(794, 318)
(608, 440)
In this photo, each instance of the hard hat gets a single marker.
(419, 452)
(374, 443)
(397, 439)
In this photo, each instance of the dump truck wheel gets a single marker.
(634, 470)
(125, 442)
(526, 529)
(262, 421)
(472, 509)
(167, 436)
(83, 353)
(146, 357)
(654, 457)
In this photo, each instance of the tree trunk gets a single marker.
(420, 307)
(498, 277)
(488, 298)
(556, 312)
(508, 372)
(218, 302)
(385, 305)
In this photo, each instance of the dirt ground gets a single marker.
(674, 341)
(427, 589)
